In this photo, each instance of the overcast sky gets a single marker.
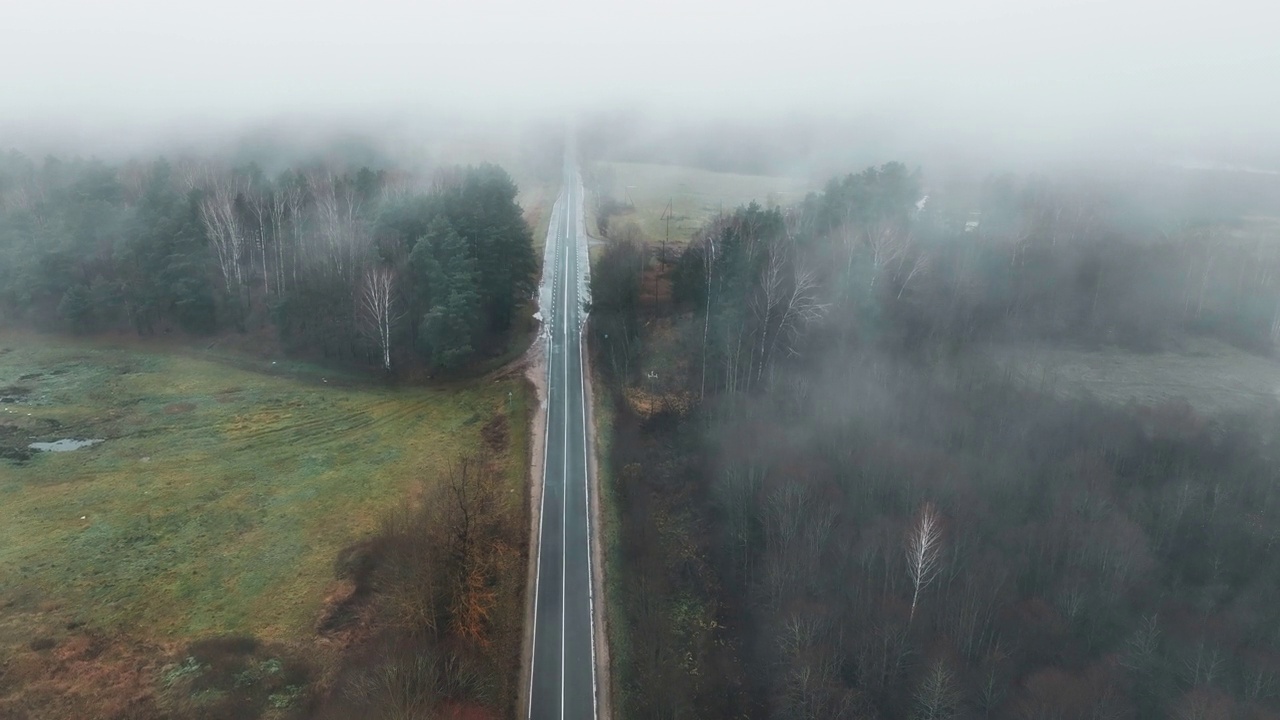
(1051, 68)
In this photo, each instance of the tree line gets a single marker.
(832, 507)
(352, 265)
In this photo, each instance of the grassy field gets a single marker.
(1211, 376)
(221, 495)
(536, 197)
(695, 195)
(537, 201)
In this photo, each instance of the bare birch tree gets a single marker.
(225, 231)
(787, 301)
(191, 173)
(376, 300)
(801, 307)
(339, 232)
(293, 202)
(259, 201)
(709, 261)
(936, 697)
(924, 552)
(888, 242)
(764, 305)
(919, 263)
(282, 210)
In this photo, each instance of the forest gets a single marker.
(374, 268)
(831, 505)
(131, 293)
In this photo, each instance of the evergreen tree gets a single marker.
(165, 263)
(448, 328)
(76, 308)
(481, 207)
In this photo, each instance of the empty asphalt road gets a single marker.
(562, 674)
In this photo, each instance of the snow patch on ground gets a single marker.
(584, 256)
(549, 263)
(63, 445)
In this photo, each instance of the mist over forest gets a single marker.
(854, 481)
(932, 360)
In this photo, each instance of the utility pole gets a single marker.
(666, 215)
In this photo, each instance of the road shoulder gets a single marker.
(601, 638)
(536, 373)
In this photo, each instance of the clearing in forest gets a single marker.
(695, 196)
(1211, 376)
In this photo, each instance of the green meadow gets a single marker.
(222, 491)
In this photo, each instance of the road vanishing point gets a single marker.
(562, 677)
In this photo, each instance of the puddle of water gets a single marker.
(63, 445)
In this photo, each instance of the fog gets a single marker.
(933, 347)
(1183, 80)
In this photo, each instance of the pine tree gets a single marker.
(448, 328)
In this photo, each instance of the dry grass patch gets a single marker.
(695, 196)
